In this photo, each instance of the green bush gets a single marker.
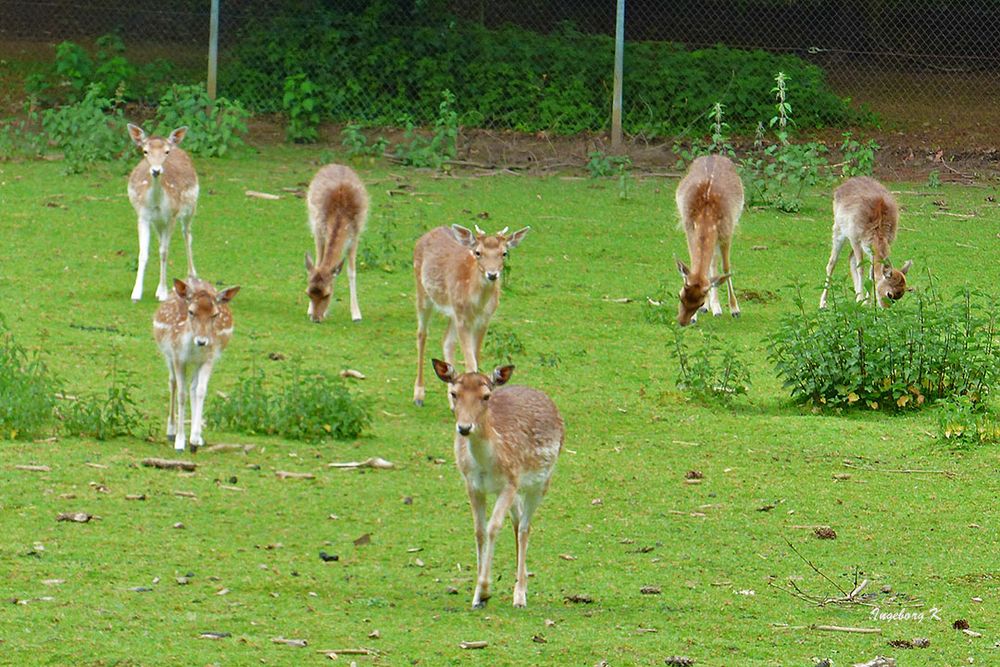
(920, 350)
(27, 393)
(91, 130)
(214, 126)
(962, 421)
(309, 406)
(102, 417)
(712, 370)
(375, 66)
(302, 106)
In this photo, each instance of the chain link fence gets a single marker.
(910, 62)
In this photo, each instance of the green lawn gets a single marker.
(619, 515)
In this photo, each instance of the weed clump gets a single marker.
(27, 392)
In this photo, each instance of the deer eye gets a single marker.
(477, 253)
(145, 152)
(486, 397)
(504, 253)
(454, 395)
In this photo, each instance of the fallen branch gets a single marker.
(228, 447)
(839, 628)
(904, 471)
(333, 653)
(301, 643)
(261, 195)
(30, 468)
(473, 645)
(373, 462)
(284, 474)
(167, 464)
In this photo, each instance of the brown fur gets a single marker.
(458, 272)
(866, 215)
(507, 441)
(338, 211)
(709, 200)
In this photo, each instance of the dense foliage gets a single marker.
(920, 350)
(370, 66)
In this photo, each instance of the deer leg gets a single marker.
(713, 290)
(500, 509)
(838, 244)
(161, 289)
(423, 314)
(857, 259)
(186, 229)
(199, 388)
(179, 417)
(477, 501)
(172, 414)
(734, 306)
(467, 339)
(522, 531)
(352, 280)
(143, 225)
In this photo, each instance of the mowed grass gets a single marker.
(619, 515)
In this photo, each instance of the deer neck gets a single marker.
(707, 239)
(334, 249)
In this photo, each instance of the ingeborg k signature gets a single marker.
(905, 615)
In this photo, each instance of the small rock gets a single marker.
(183, 581)
(650, 590)
(407, 500)
(374, 634)
(451, 590)
(179, 526)
(326, 558)
(539, 639)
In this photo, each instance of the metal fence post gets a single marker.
(616, 103)
(213, 49)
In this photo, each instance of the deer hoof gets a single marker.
(736, 313)
(418, 402)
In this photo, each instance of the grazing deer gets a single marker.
(192, 328)
(710, 200)
(163, 189)
(458, 273)
(866, 215)
(338, 210)
(507, 440)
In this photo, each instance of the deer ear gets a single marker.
(463, 236)
(906, 266)
(181, 288)
(137, 134)
(515, 239)
(226, 295)
(720, 279)
(309, 262)
(444, 370)
(887, 270)
(682, 267)
(501, 374)
(177, 136)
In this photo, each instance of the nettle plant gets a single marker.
(711, 369)
(441, 147)
(921, 350)
(214, 126)
(301, 103)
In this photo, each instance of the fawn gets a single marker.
(163, 188)
(507, 440)
(866, 214)
(710, 200)
(458, 272)
(192, 328)
(338, 211)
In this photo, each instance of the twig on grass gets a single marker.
(167, 464)
(904, 471)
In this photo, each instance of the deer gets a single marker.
(338, 210)
(507, 440)
(458, 273)
(163, 189)
(865, 214)
(709, 200)
(192, 328)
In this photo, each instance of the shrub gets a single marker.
(712, 370)
(963, 421)
(302, 104)
(27, 393)
(91, 130)
(109, 416)
(311, 406)
(214, 126)
(356, 143)
(920, 350)
(419, 151)
(375, 64)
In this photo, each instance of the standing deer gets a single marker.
(866, 215)
(507, 440)
(163, 189)
(192, 328)
(338, 210)
(710, 200)
(458, 273)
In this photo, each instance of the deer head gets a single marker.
(156, 149)
(470, 393)
(202, 303)
(891, 285)
(489, 250)
(694, 293)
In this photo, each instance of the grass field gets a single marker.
(619, 515)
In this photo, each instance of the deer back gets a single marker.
(337, 197)
(870, 210)
(447, 270)
(527, 429)
(710, 197)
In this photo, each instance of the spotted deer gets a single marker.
(338, 210)
(192, 328)
(458, 273)
(865, 214)
(710, 200)
(163, 189)
(507, 440)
